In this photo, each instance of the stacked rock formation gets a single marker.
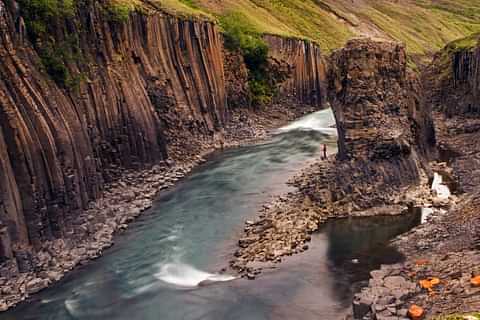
(377, 104)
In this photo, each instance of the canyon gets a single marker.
(87, 145)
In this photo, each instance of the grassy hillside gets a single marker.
(424, 25)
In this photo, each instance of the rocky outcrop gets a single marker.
(453, 78)
(151, 82)
(236, 80)
(385, 131)
(378, 105)
(307, 68)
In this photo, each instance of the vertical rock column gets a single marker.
(377, 104)
(307, 83)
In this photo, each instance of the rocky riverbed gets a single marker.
(123, 201)
(446, 248)
(284, 226)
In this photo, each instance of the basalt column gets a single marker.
(144, 87)
(307, 66)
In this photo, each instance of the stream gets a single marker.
(155, 268)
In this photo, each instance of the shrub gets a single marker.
(41, 19)
(119, 11)
(40, 14)
(240, 35)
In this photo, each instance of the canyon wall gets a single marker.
(385, 130)
(453, 83)
(307, 68)
(148, 83)
(150, 88)
(453, 78)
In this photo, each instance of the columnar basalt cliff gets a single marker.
(307, 67)
(148, 89)
(149, 83)
(454, 78)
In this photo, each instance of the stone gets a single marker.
(36, 285)
(3, 306)
(362, 305)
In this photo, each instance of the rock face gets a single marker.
(236, 80)
(445, 248)
(151, 88)
(453, 79)
(307, 67)
(377, 103)
(144, 79)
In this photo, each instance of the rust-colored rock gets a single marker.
(475, 281)
(416, 313)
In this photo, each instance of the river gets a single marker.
(154, 269)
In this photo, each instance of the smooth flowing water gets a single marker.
(157, 268)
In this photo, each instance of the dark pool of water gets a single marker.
(153, 270)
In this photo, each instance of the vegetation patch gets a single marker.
(463, 44)
(42, 17)
(425, 26)
(446, 57)
(242, 36)
(119, 10)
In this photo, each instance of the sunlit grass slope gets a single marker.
(424, 25)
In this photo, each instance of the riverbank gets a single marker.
(126, 199)
(284, 226)
(446, 248)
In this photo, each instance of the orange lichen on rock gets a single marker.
(475, 281)
(434, 281)
(415, 312)
(426, 284)
(429, 283)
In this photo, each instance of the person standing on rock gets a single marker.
(324, 157)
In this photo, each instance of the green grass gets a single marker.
(244, 37)
(119, 10)
(463, 44)
(444, 61)
(425, 26)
